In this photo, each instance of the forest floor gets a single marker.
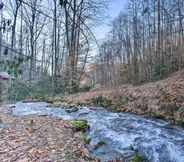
(39, 139)
(162, 99)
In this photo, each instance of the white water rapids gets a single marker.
(123, 134)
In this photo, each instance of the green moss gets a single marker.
(116, 108)
(180, 123)
(157, 115)
(137, 158)
(100, 101)
(85, 138)
(49, 100)
(160, 71)
(79, 125)
(123, 100)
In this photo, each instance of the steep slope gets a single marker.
(163, 99)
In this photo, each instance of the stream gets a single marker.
(123, 134)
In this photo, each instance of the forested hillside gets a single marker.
(145, 43)
(92, 80)
(162, 99)
(48, 41)
(51, 45)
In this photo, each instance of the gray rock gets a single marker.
(72, 109)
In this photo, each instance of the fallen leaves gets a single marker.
(39, 139)
(162, 98)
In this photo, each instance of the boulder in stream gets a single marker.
(72, 109)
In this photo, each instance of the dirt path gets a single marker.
(39, 139)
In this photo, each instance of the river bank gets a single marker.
(162, 99)
(39, 138)
(122, 136)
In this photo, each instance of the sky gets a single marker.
(115, 6)
(101, 30)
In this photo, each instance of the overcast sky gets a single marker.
(114, 9)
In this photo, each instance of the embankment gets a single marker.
(161, 99)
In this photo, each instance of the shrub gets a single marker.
(160, 71)
(21, 90)
(101, 101)
(137, 158)
(85, 88)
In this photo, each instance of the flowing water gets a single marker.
(123, 134)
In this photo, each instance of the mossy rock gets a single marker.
(100, 101)
(99, 144)
(59, 99)
(49, 100)
(85, 138)
(79, 125)
(180, 123)
(38, 98)
(81, 103)
(116, 107)
(137, 158)
(123, 100)
(157, 115)
(55, 104)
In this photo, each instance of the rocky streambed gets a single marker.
(118, 135)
